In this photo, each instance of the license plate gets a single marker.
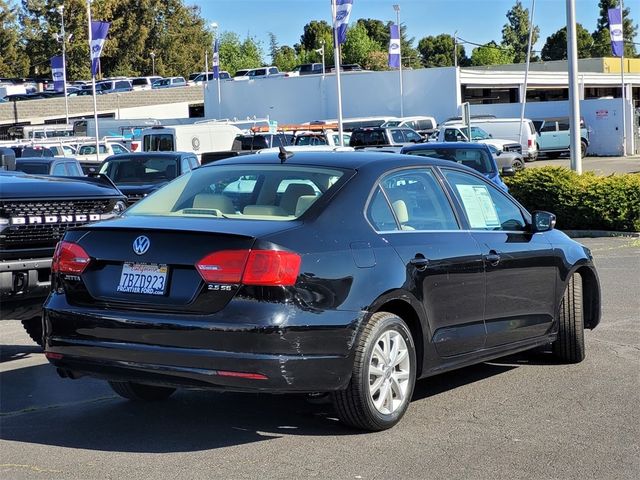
(146, 278)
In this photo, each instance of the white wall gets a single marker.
(602, 117)
(431, 91)
(167, 110)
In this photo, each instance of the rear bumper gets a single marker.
(530, 156)
(286, 349)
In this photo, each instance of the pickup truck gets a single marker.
(553, 136)
(458, 133)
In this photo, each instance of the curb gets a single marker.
(599, 233)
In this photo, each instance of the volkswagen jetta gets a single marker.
(349, 273)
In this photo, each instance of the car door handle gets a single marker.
(493, 258)
(419, 262)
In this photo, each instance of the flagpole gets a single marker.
(397, 9)
(574, 97)
(624, 103)
(64, 64)
(336, 57)
(523, 100)
(93, 85)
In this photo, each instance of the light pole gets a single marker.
(321, 52)
(216, 62)
(153, 63)
(455, 48)
(574, 96)
(397, 9)
(64, 64)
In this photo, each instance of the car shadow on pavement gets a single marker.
(15, 352)
(40, 408)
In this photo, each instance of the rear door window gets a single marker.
(59, 170)
(397, 136)
(418, 202)
(549, 126)
(73, 170)
(563, 125)
(486, 208)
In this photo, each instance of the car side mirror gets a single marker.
(508, 172)
(542, 221)
(498, 153)
(490, 135)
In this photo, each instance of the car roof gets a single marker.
(123, 156)
(44, 159)
(337, 159)
(446, 146)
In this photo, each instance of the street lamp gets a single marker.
(216, 62)
(153, 63)
(397, 9)
(64, 63)
(321, 52)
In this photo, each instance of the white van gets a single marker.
(196, 138)
(509, 129)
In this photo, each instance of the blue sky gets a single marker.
(478, 21)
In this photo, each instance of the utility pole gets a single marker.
(153, 63)
(455, 48)
(574, 97)
(397, 9)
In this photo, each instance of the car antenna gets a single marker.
(284, 154)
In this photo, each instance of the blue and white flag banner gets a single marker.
(343, 12)
(394, 47)
(216, 61)
(99, 32)
(57, 73)
(615, 29)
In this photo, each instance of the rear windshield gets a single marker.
(258, 192)
(33, 168)
(141, 169)
(140, 81)
(476, 158)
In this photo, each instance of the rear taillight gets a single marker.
(223, 267)
(250, 267)
(530, 143)
(69, 257)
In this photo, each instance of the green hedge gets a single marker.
(580, 202)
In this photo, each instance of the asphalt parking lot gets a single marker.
(599, 165)
(521, 417)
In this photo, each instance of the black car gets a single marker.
(139, 174)
(381, 137)
(55, 166)
(35, 211)
(342, 272)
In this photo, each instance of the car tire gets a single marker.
(379, 404)
(33, 327)
(517, 165)
(141, 392)
(583, 148)
(569, 346)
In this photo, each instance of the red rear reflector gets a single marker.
(134, 146)
(69, 257)
(530, 143)
(271, 267)
(250, 267)
(53, 356)
(223, 267)
(250, 376)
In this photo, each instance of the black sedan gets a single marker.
(141, 173)
(348, 273)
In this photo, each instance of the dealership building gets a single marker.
(439, 92)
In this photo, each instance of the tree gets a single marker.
(175, 32)
(13, 60)
(515, 33)
(601, 37)
(286, 58)
(236, 54)
(376, 60)
(438, 51)
(358, 45)
(273, 47)
(491, 54)
(555, 48)
(316, 34)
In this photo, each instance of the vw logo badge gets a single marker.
(141, 245)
